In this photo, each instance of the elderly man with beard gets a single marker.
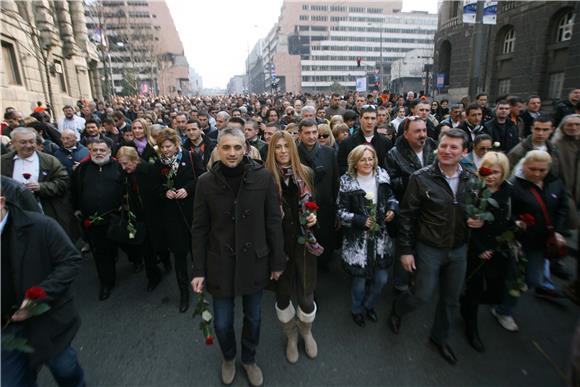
(98, 192)
(43, 175)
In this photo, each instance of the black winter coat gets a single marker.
(402, 161)
(237, 240)
(508, 136)
(524, 202)
(41, 254)
(430, 213)
(200, 160)
(380, 143)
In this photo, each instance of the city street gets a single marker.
(139, 339)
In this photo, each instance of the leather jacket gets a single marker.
(431, 214)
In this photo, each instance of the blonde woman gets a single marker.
(366, 203)
(487, 260)
(325, 137)
(294, 185)
(143, 141)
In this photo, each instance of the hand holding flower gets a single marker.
(311, 220)
(389, 216)
(475, 223)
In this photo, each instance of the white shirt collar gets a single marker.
(30, 159)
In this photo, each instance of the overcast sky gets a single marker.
(217, 34)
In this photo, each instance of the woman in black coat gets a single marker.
(176, 188)
(532, 185)
(141, 182)
(294, 185)
(487, 260)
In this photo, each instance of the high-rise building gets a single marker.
(46, 55)
(140, 47)
(317, 45)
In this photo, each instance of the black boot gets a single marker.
(183, 291)
(469, 314)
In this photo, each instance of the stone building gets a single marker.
(46, 55)
(533, 49)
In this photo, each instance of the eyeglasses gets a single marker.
(321, 136)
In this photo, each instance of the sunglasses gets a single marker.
(321, 136)
(369, 107)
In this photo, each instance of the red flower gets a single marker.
(312, 206)
(528, 219)
(165, 171)
(35, 293)
(26, 175)
(87, 223)
(209, 340)
(484, 171)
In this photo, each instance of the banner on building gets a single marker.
(490, 12)
(440, 80)
(361, 84)
(469, 11)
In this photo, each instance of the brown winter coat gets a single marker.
(237, 241)
(570, 172)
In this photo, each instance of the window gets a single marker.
(322, 8)
(10, 64)
(59, 72)
(305, 7)
(356, 10)
(337, 8)
(304, 17)
(319, 18)
(374, 10)
(565, 26)
(509, 41)
(504, 86)
(555, 86)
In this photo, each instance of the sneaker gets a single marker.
(254, 374)
(547, 293)
(507, 322)
(228, 371)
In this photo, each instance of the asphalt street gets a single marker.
(139, 339)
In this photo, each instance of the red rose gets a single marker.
(165, 171)
(87, 223)
(209, 340)
(35, 293)
(26, 176)
(528, 219)
(311, 206)
(484, 171)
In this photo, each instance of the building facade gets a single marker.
(237, 84)
(318, 44)
(533, 49)
(46, 55)
(140, 47)
(412, 73)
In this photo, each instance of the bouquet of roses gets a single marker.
(31, 306)
(480, 198)
(202, 309)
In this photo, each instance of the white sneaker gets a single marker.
(507, 322)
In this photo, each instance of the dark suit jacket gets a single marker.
(54, 193)
(42, 255)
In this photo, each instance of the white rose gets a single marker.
(131, 235)
(206, 316)
(369, 196)
(496, 144)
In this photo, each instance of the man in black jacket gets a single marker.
(412, 151)
(36, 252)
(322, 161)
(238, 246)
(472, 124)
(563, 108)
(366, 135)
(501, 128)
(199, 145)
(98, 192)
(432, 238)
(534, 105)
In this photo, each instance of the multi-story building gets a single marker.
(533, 49)
(46, 55)
(236, 84)
(140, 47)
(412, 73)
(195, 82)
(315, 45)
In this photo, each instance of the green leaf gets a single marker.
(301, 240)
(492, 202)
(39, 309)
(10, 342)
(486, 216)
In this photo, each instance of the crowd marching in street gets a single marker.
(241, 194)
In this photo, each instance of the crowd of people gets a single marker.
(264, 191)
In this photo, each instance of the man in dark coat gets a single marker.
(238, 246)
(98, 192)
(563, 108)
(533, 107)
(36, 252)
(42, 174)
(366, 135)
(199, 145)
(322, 161)
(472, 125)
(502, 129)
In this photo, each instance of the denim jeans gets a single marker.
(224, 325)
(401, 277)
(535, 277)
(436, 268)
(16, 371)
(359, 293)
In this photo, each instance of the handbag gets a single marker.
(555, 249)
(117, 230)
